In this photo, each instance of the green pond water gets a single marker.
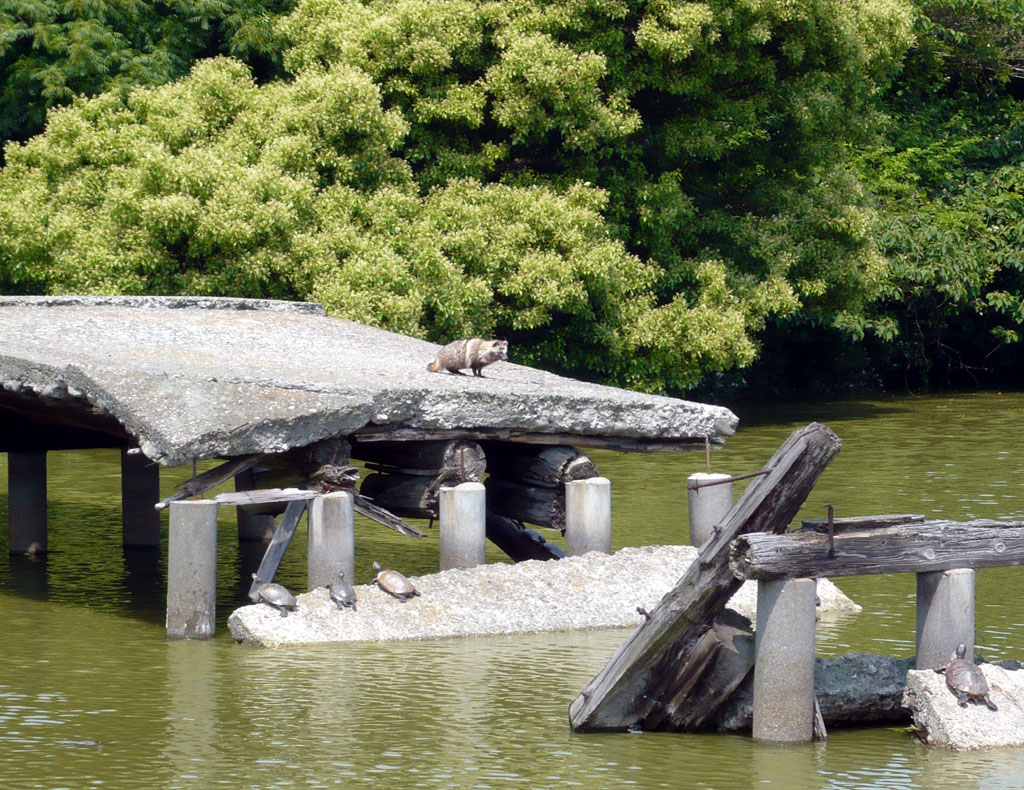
(93, 694)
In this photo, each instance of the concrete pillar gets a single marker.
(26, 487)
(192, 569)
(140, 490)
(332, 542)
(252, 526)
(945, 616)
(707, 505)
(463, 525)
(784, 664)
(588, 516)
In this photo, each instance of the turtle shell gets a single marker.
(276, 595)
(962, 675)
(394, 583)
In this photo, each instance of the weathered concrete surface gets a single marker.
(201, 377)
(941, 721)
(593, 590)
(858, 688)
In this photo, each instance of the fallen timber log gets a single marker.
(911, 548)
(465, 458)
(550, 466)
(518, 542)
(534, 504)
(649, 682)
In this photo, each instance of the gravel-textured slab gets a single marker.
(200, 377)
(591, 591)
(940, 720)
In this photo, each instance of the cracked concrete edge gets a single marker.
(166, 303)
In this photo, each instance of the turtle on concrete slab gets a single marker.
(394, 583)
(275, 595)
(965, 679)
(342, 593)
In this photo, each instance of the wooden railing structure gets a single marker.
(680, 665)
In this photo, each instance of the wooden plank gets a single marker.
(540, 465)
(849, 523)
(643, 672)
(372, 511)
(275, 549)
(209, 479)
(620, 443)
(262, 496)
(912, 548)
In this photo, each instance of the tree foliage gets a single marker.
(52, 51)
(627, 189)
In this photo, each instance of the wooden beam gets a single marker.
(533, 504)
(209, 479)
(643, 674)
(518, 542)
(852, 523)
(425, 458)
(620, 443)
(911, 548)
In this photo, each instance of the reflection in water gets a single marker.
(85, 658)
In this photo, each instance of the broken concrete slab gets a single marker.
(199, 377)
(940, 720)
(593, 590)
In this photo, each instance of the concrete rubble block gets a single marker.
(940, 720)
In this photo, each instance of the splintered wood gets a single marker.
(655, 679)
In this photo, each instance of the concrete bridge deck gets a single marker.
(202, 377)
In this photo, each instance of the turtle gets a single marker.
(275, 595)
(342, 593)
(965, 679)
(394, 583)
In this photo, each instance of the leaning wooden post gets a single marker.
(332, 545)
(26, 486)
(588, 516)
(463, 525)
(708, 504)
(192, 569)
(652, 679)
(140, 491)
(945, 616)
(784, 662)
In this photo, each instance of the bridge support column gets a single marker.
(463, 525)
(192, 569)
(332, 545)
(784, 662)
(252, 526)
(588, 516)
(945, 616)
(707, 504)
(140, 491)
(26, 487)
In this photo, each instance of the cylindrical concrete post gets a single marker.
(192, 569)
(463, 525)
(140, 491)
(26, 487)
(784, 663)
(332, 539)
(588, 516)
(707, 505)
(252, 526)
(945, 616)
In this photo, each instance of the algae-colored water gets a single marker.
(92, 694)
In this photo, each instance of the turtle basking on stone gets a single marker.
(965, 679)
(342, 593)
(275, 595)
(394, 583)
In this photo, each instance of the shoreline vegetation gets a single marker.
(713, 199)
